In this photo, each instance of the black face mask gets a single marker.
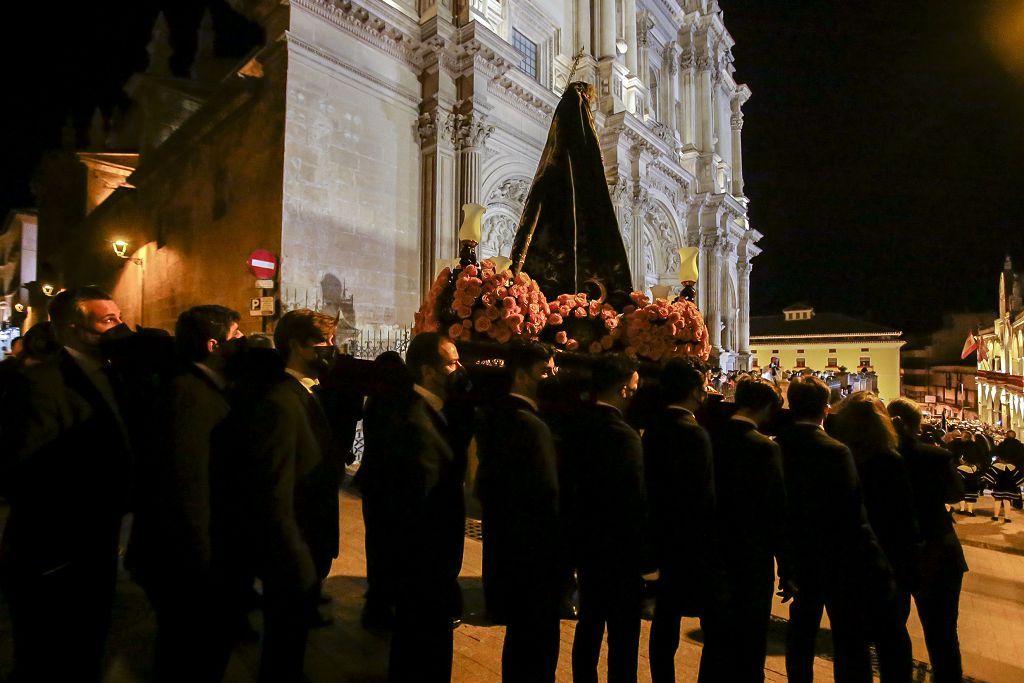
(232, 347)
(113, 340)
(457, 383)
(326, 357)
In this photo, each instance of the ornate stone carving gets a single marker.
(467, 130)
(426, 127)
(499, 231)
(705, 62)
(368, 27)
(687, 60)
(736, 121)
(512, 191)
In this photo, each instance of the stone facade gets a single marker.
(350, 140)
(1001, 357)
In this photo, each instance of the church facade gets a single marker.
(348, 142)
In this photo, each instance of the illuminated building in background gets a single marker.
(1001, 358)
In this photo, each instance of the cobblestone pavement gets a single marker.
(991, 624)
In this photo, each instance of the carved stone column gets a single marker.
(743, 269)
(738, 100)
(438, 229)
(688, 95)
(469, 139)
(629, 9)
(704, 113)
(672, 57)
(584, 28)
(709, 287)
(608, 23)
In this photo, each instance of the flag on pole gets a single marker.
(970, 345)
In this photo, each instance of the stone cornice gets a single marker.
(367, 26)
(329, 57)
(526, 96)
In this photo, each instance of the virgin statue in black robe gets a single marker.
(568, 238)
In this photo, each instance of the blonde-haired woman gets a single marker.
(862, 423)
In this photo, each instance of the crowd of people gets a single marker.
(598, 491)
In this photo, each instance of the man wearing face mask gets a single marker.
(517, 483)
(748, 476)
(292, 481)
(66, 471)
(425, 466)
(609, 525)
(171, 552)
(681, 491)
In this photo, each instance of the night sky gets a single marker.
(882, 147)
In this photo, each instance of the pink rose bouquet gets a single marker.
(659, 329)
(485, 304)
(577, 323)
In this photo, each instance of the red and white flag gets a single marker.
(970, 345)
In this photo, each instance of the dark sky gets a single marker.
(882, 147)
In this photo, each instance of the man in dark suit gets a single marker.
(837, 562)
(171, 549)
(426, 466)
(609, 525)
(681, 493)
(517, 483)
(66, 471)
(941, 565)
(748, 476)
(291, 480)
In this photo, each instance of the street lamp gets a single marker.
(121, 251)
(47, 289)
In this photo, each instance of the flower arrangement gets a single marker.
(578, 323)
(481, 303)
(660, 329)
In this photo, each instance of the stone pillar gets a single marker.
(704, 112)
(584, 36)
(643, 29)
(672, 57)
(629, 8)
(743, 295)
(438, 162)
(738, 100)
(607, 47)
(470, 137)
(688, 95)
(709, 287)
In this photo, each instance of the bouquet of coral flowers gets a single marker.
(581, 324)
(660, 329)
(482, 303)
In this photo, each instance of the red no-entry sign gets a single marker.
(262, 263)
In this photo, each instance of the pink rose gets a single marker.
(482, 324)
(554, 319)
(463, 311)
(595, 347)
(581, 312)
(455, 330)
(470, 270)
(607, 342)
(561, 337)
(572, 345)
(467, 324)
(492, 312)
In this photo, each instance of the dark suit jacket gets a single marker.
(936, 482)
(291, 495)
(609, 517)
(517, 483)
(171, 533)
(751, 515)
(833, 544)
(679, 474)
(65, 466)
(422, 477)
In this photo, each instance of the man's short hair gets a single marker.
(424, 352)
(808, 398)
(198, 325)
(66, 307)
(610, 372)
(757, 394)
(304, 326)
(679, 378)
(523, 355)
(906, 410)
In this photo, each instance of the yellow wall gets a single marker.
(885, 358)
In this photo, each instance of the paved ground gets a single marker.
(991, 624)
